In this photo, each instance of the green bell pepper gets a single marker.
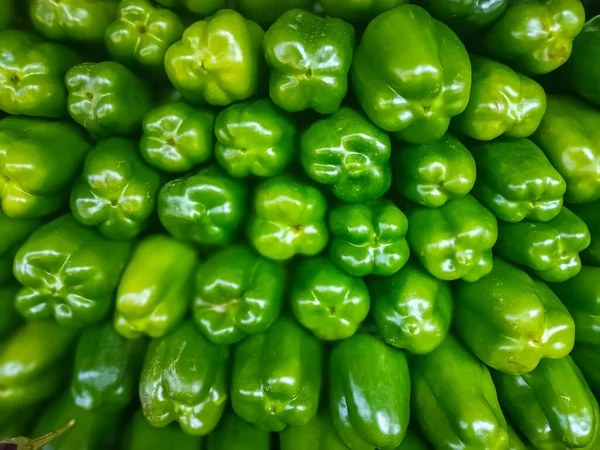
(433, 173)
(465, 16)
(348, 153)
(142, 34)
(184, 379)
(454, 401)
(369, 238)
(204, 208)
(361, 11)
(33, 363)
(549, 249)
(31, 75)
(414, 441)
(265, 12)
(14, 232)
(141, 435)
(590, 214)
(218, 60)
(69, 273)
(586, 358)
(276, 377)
(39, 161)
(516, 181)
(106, 98)
(514, 440)
(235, 434)
(318, 434)
(156, 288)
(238, 293)
(369, 392)
(309, 58)
(569, 135)
(328, 301)
(511, 321)
(7, 15)
(81, 21)
(502, 103)
(288, 218)
(412, 309)
(9, 316)
(455, 240)
(391, 84)
(254, 138)
(177, 137)
(106, 369)
(196, 7)
(117, 191)
(552, 405)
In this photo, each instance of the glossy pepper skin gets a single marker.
(552, 405)
(238, 293)
(570, 137)
(254, 138)
(318, 434)
(177, 137)
(14, 232)
(106, 369)
(360, 11)
(142, 33)
(39, 161)
(184, 379)
(369, 238)
(204, 208)
(69, 273)
(235, 434)
(502, 103)
(265, 12)
(455, 240)
(349, 154)
(511, 321)
(465, 16)
(412, 309)
(117, 191)
(198, 7)
(586, 358)
(31, 75)
(106, 98)
(432, 174)
(309, 58)
(516, 181)
(288, 218)
(141, 435)
(535, 36)
(391, 87)
(155, 290)
(218, 60)
(276, 377)
(369, 393)
(549, 249)
(462, 412)
(9, 316)
(590, 214)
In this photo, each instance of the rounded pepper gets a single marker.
(197, 7)
(318, 434)
(14, 232)
(139, 434)
(9, 316)
(235, 434)
(361, 11)
(590, 214)
(265, 12)
(465, 16)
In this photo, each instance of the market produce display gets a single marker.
(299, 224)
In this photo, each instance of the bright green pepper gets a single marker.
(369, 387)
(348, 153)
(14, 232)
(590, 214)
(31, 75)
(369, 238)
(549, 249)
(412, 309)
(454, 401)
(276, 377)
(9, 316)
(455, 240)
(198, 7)
(288, 219)
(184, 379)
(117, 191)
(177, 137)
(156, 288)
(39, 161)
(569, 135)
(586, 358)
(465, 16)
(502, 103)
(106, 98)
(552, 405)
(318, 434)
(237, 293)
(218, 60)
(265, 12)
(204, 208)
(391, 84)
(69, 273)
(141, 435)
(235, 434)
(7, 15)
(33, 363)
(254, 138)
(361, 11)
(516, 181)
(511, 321)
(142, 34)
(433, 173)
(309, 58)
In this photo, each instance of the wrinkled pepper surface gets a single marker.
(139, 434)
(235, 434)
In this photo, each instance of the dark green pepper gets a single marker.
(514, 440)
(414, 441)
(318, 434)
(9, 316)
(348, 153)
(586, 358)
(197, 7)
(7, 16)
(14, 232)
(265, 12)
(361, 11)
(590, 214)
(140, 435)
(465, 16)
(235, 434)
